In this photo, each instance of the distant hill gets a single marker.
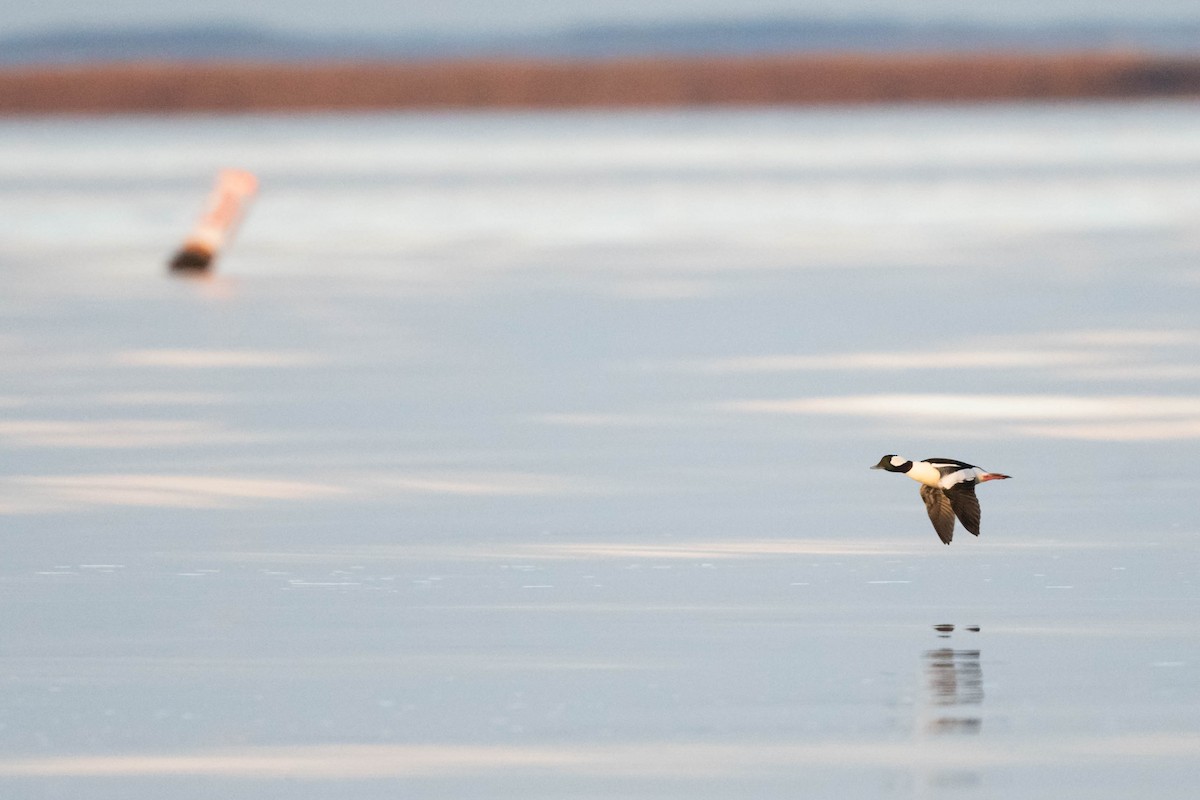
(784, 35)
(787, 35)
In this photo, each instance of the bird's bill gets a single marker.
(877, 466)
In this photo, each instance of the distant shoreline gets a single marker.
(811, 79)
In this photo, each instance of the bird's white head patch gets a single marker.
(897, 461)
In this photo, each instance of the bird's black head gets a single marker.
(893, 463)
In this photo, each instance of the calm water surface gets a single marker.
(526, 456)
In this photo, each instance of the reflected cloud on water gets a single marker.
(44, 494)
(1086, 354)
(681, 761)
(1100, 418)
(481, 483)
(117, 433)
(35, 494)
(899, 361)
(216, 359)
(1138, 357)
(998, 407)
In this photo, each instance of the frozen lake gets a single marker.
(527, 456)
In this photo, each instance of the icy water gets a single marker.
(527, 456)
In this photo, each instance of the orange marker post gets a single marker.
(226, 206)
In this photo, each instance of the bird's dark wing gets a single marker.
(948, 462)
(940, 512)
(965, 504)
(948, 466)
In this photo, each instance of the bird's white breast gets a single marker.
(923, 472)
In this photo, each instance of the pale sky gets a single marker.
(497, 16)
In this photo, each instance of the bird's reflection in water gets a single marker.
(954, 679)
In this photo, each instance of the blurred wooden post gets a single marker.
(226, 206)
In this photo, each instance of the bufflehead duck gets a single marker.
(948, 489)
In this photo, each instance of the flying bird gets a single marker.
(948, 489)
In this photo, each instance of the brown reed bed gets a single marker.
(158, 88)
